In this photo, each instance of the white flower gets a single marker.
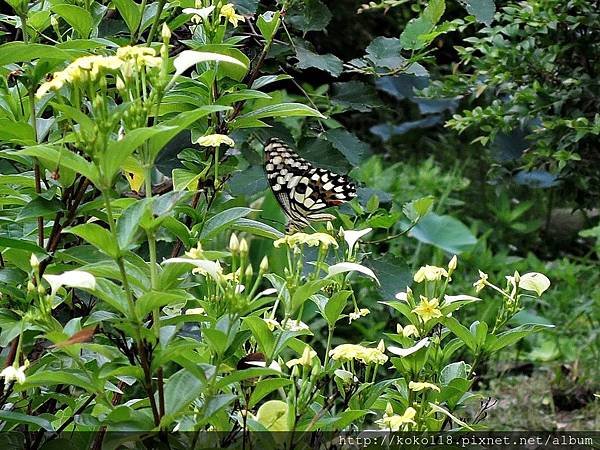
(214, 140)
(352, 236)
(195, 311)
(295, 325)
(203, 266)
(305, 360)
(199, 13)
(402, 296)
(409, 351)
(350, 267)
(358, 314)
(12, 373)
(72, 278)
(534, 281)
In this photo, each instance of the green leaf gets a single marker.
(328, 63)
(261, 333)
(39, 207)
(18, 418)
(418, 208)
(412, 36)
(516, 334)
(355, 95)
(79, 18)
(178, 123)
(483, 10)
(16, 132)
(256, 228)
(355, 150)
(479, 330)
(393, 274)
(267, 23)
(130, 220)
(461, 332)
(335, 305)
(151, 300)
(454, 370)
(181, 389)
(282, 110)
(47, 378)
(444, 232)
(434, 10)
(385, 52)
(265, 387)
(61, 156)
(21, 244)
(303, 292)
(19, 51)
(235, 67)
(268, 79)
(184, 178)
(130, 12)
(216, 339)
(309, 15)
(118, 151)
(222, 220)
(99, 237)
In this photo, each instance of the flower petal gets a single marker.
(73, 278)
(350, 267)
(409, 351)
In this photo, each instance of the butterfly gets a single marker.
(301, 189)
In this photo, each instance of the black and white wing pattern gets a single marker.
(301, 189)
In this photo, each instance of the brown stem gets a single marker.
(161, 393)
(148, 381)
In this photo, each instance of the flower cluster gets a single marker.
(312, 240)
(349, 352)
(127, 61)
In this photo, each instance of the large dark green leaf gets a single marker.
(444, 232)
(483, 10)
(328, 63)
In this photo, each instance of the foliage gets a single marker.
(530, 82)
(143, 288)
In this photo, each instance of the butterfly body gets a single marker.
(301, 189)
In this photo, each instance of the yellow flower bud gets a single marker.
(452, 264)
(264, 264)
(165, 32)
(249, 272)
(244, 246)
(34, 262)
(234, 243)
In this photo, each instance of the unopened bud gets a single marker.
(249, 272)
(30, 286)
(244, 246)
(165, 32)
(41, 289)
(264, 264)
(34, 262)
(234, 243)
(452, 264)
(381, 346)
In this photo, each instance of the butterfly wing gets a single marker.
(301, 189)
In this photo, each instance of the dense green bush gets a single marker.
(146, 283)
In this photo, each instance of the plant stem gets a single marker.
(36, 167)
(328, 347)
(119, 259)
(161, 6)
